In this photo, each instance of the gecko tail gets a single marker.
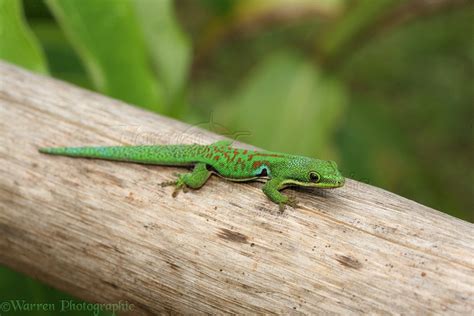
(52, 151)
(141, 154)
(87, 152)
(107, 153)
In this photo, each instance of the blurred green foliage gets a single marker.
(169, 48)
(112, 48)
(383, 87)
(17, 43)
(284, 93)
(17, 287)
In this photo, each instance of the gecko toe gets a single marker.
(167, 183)
(180, 185)
(292, 201)
(293, 204)
(281, 207)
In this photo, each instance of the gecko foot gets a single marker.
(167, 183)
(178, 186)
(291, 201)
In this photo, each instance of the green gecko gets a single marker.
(235, 164)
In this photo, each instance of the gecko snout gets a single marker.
(341, 182)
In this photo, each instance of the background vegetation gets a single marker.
(383, 87)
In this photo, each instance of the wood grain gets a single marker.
(106, 231)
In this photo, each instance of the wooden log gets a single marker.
(107, 232)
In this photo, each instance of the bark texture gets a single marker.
(106, 231)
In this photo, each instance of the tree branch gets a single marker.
(106, 231)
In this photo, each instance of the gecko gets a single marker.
(277, 170)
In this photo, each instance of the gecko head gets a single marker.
(314, 173)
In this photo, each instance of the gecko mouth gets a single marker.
(337, 183)
(323, 185)
(330, 185)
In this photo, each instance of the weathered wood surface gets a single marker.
(106, 231)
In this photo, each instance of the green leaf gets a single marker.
(17, 43)
(169, 46)
(287, 105)
(108, 39)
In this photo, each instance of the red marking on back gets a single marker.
(240, 162)
(250, 157)
(235, 155)
(216, 157)
(258, 164)
(245, 152)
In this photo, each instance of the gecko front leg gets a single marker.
(195, 179)
(271, 189)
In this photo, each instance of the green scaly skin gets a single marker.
(235, 164)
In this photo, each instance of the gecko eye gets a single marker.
(314, 177)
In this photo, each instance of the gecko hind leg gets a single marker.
(194, 180)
